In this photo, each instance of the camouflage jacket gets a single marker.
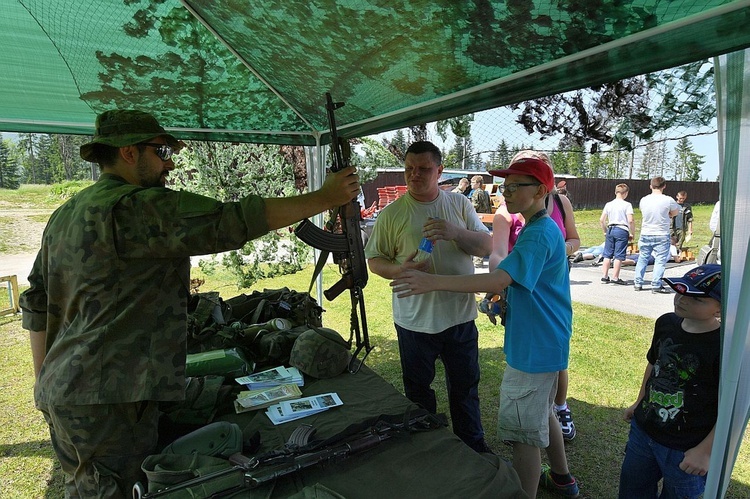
(481, 201)
(110, 287)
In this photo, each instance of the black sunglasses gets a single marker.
(511, 188)
(164, 151)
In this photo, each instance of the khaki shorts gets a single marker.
(525, 407)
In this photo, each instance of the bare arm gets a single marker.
(500, 236)
(388, 269)
(572, 239)
(38, 341)
(631, 225)
(696, 459)
(602, 222)
(412, 282)
(641, 394)
(339, 188)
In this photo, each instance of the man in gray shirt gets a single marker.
(657, 211)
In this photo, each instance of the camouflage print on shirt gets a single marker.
(110, 288)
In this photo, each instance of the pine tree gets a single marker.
(649, 166)
(686, 164)
(503, 155)
(10, 177)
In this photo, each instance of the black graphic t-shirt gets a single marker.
(682, 394)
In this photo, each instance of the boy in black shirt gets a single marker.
(673, 422)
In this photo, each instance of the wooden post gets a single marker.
(12, 281)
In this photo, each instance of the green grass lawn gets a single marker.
(606, 366)
(607, 362)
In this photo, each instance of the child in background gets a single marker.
(673, 422)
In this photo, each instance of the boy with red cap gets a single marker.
(538, 326)
(673, 422)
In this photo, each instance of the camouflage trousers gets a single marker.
(101, 447)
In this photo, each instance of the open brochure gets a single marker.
(259, 399)
(272, 377)
(289, 410)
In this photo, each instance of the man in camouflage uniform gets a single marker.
(107, 303)
(480, 199)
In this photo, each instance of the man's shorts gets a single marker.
(525, 406)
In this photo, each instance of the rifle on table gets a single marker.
(347, 248)
(253, 472)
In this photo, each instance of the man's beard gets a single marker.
(146, 177)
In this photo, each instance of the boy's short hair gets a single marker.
(701, 281)
(658, 183)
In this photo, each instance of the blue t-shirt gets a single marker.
(538, 323)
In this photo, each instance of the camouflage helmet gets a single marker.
(321, 353)
(125, 127)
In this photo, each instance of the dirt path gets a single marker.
(20, 235)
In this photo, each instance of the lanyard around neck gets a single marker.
(539, 214)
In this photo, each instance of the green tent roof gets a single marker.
(258, 70)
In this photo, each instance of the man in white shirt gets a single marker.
(657, 211)
(441, 323)
(713, 224)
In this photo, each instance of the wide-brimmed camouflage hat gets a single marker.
(120, 128)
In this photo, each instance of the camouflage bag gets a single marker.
(241, 321)
(205, 396)
(261, 306)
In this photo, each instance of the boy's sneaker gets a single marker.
(566, 423)
(566, 490)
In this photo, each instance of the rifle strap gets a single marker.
(318, 268)
(255, 319)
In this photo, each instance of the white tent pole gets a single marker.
(733, 110)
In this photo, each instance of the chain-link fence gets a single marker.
(658, 124)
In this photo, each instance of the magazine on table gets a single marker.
(260, 399)
(272, 377)
(289, 410)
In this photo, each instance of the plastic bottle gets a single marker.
(424, 252)
(277, 324)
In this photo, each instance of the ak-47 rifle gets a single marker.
(252, 472)
(347, 248)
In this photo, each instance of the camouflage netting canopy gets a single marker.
(257, 71)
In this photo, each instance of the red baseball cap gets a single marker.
(533, 167)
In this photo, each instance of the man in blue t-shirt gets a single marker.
(538, 326)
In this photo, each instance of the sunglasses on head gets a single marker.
(164, 151)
